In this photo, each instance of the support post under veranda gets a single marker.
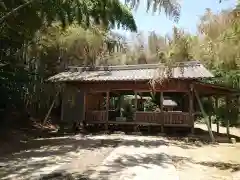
(216, 111)
(191, 108)
(210, 113)
(84, 125)
(205, 116)
(227, 115)
(162, 113)
(135, 110)
(107, 110)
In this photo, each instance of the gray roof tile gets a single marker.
(190, 70)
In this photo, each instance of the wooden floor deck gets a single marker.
(136, 123)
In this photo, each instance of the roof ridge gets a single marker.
(131, 67)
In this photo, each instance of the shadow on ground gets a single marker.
(233, 167)
(220, 137)
(43, 153)
(40, 153)
(146, 161)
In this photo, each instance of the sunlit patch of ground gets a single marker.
(86, 154)
(47, 155)
(207, 162)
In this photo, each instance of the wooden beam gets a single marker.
(170, 86)
(50, 109)
(205, 116)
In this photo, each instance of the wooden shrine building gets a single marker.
(96, 96)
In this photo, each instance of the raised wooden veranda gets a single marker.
(162, 118)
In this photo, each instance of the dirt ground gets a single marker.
(207, 162)
(69, 154)
(81, 155)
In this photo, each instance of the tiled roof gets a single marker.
(189, 70)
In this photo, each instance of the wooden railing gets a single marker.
(96, 116)
(176, 118)
(165, 118)
(148, 117)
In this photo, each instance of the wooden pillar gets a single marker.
(107, 109)
(238, 105)
(135, 127)
(162, 113)
(216, 108)
(227, 116)
(62, 105)
(135, 101)
(161, 101)
(210, 115)
(190, 95)
(84, 109)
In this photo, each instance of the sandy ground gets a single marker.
(73, 154)
(140, 157)
(233, 130)
(209, 162)
(135, 158)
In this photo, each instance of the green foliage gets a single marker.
(170, 7)
(107, 12)
(37, 41)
